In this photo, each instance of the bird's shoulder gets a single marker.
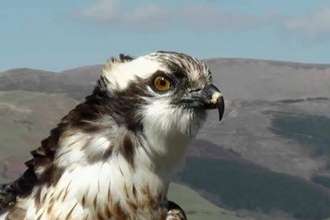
(20, 187)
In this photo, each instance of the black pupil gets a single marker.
(162, 81)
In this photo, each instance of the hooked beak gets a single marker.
(209, 98)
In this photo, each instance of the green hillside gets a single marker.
(322, 180)
(306, 129)
(198, 208)
(254, 188)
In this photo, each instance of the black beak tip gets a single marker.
(221, 107)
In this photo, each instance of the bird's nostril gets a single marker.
(195, 89)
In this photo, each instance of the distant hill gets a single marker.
(246, 79)
(251, 79)
(68, 83)
(26, 118)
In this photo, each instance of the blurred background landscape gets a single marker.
(269, 159)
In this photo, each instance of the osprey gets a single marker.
(114, 155)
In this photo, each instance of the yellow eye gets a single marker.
(162, 83)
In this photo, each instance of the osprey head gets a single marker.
(169, 90)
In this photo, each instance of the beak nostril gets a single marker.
(215, 97)
(195, 90)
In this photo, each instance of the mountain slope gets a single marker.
(255, 188)
(27, 117)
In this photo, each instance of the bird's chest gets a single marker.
(75, 211)
(99, 191)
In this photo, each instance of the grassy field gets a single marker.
(257, 189)
(198, 208)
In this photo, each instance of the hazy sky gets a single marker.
(61, 34)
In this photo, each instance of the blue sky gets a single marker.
(61, 34)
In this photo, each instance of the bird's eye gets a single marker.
(162, 83)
